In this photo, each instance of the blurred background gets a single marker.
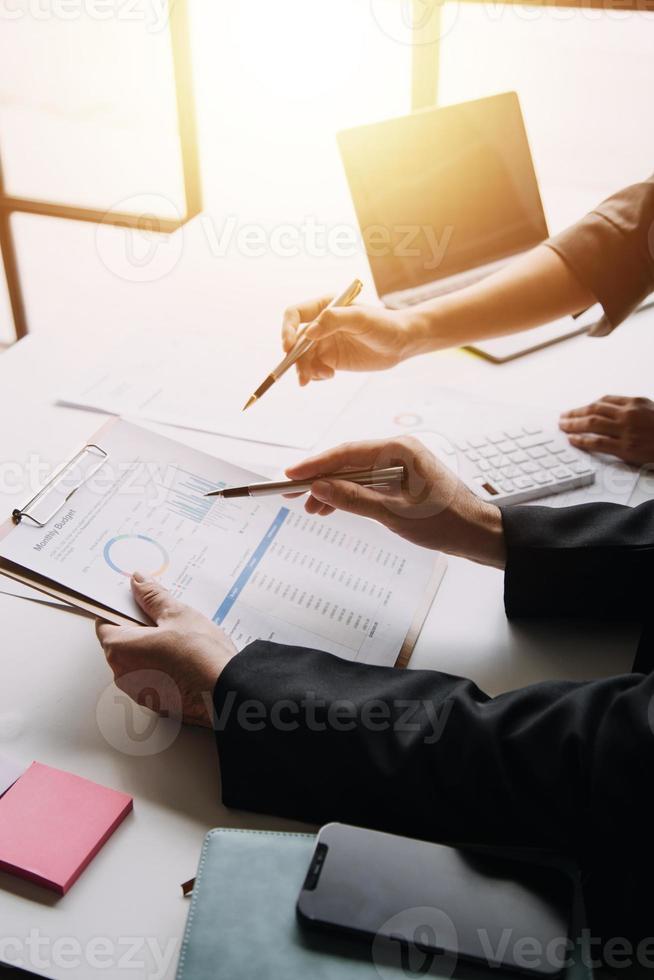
(88, 117)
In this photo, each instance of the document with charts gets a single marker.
(260, 568)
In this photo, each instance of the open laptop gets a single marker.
(443, 198)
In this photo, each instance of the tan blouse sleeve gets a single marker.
(611, 251)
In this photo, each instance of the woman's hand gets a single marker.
(432, 508)
(623, 427)
(348, 338)
(172, 666)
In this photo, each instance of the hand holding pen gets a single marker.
(302, 344)
(357, 337)
(429, 506)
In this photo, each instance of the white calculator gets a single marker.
(521, 463)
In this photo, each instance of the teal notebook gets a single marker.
(242, 924)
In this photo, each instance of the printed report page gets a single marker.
(260, 568)
(177, 384)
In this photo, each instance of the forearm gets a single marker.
(594, 560)
(310, 736)
(533, 289)
(605, 258)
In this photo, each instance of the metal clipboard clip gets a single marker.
(55, 482)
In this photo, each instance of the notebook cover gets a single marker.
(242, 922)
(53, 823)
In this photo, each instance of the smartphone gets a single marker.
(438, 900)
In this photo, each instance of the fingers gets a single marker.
(317, 507)
(311, 367)
(592, 443)
(117, 640)
(154, 599)
(351, 498)
(334, 319)
(349, 455)
(313, 505)
(599, 424)
(616, 399)
(608, 405)
(607, 409)
(295, 316)
(106, 632)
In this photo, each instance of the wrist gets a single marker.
(436, 324)
(418, 331)
(480, 534)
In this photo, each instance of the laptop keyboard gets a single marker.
(440, 287)
(520, 464)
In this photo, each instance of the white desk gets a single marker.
(53, 674)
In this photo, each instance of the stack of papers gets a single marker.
(194, 380)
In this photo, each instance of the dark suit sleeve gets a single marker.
(311, 736)
(611, 251)
(307, 735)
(594, 560)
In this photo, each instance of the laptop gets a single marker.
(444, 197)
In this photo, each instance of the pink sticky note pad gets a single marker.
(52, 824)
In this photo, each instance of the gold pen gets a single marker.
(381, 479)
(302, 345)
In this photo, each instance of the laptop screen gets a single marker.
(442, 191)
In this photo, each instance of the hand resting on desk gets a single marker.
(623, 427)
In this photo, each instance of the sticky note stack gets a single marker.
(52, 823)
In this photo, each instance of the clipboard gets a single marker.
(45, 505)
(29, 511)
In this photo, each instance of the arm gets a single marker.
(591, 560)
(310, 736)
(594, 560)
(530, 290)
(307, 735)
(607, 257)
(430, 755)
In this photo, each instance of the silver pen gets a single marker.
(382, 479)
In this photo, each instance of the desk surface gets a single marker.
(57, 704)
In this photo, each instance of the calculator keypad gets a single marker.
(522, 463)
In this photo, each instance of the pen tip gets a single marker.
(251, 400)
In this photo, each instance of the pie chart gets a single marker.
(129, 553)
(407, 419)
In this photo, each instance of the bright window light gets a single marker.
(584, 78)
